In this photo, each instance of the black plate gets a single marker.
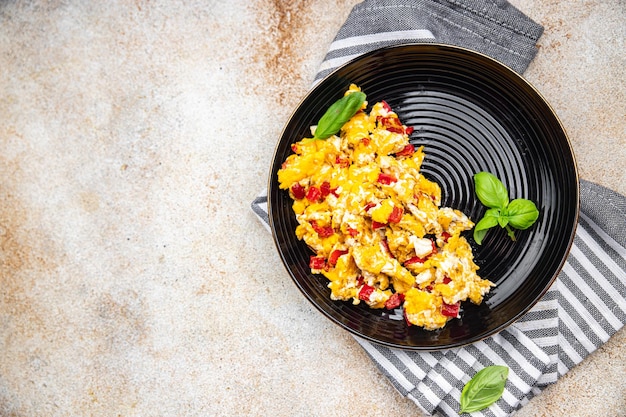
(472, 114)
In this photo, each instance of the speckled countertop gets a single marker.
(135, 280)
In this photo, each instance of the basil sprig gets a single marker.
(518, 214)
(338, 114)
(485, 388)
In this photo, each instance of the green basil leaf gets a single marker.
(479, 235)
(338, 114)
(489, 220)
(522, 213)
(484, 389)
(503, 220)
(490, 190)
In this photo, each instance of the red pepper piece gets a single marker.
(387, 249)
(415, 260)
(407, 151)
(394, 301)
(366, 141)
(313, 194)
(317, 262)
(386, 179)
(409, 129)
(322, 231)
(325, 189)
(386, 106)
(352, 232)
(334, 256)
(392, 124)
(450, 310)
(376, 225)
(406, 319)
(446, 279)
(396, 215)
(298, 191)
(334, 191)
(359, 280)
(342, 162)
(445, 236)
(365, 292)
(368, 206)
(434, 245)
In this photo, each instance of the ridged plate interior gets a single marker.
(471, 114)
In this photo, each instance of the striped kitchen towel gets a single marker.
(587, 303)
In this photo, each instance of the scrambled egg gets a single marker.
(375, 222)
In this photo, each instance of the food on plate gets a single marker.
(375, 222)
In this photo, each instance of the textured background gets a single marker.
(135, 280)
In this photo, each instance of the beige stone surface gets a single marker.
(134, 279)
